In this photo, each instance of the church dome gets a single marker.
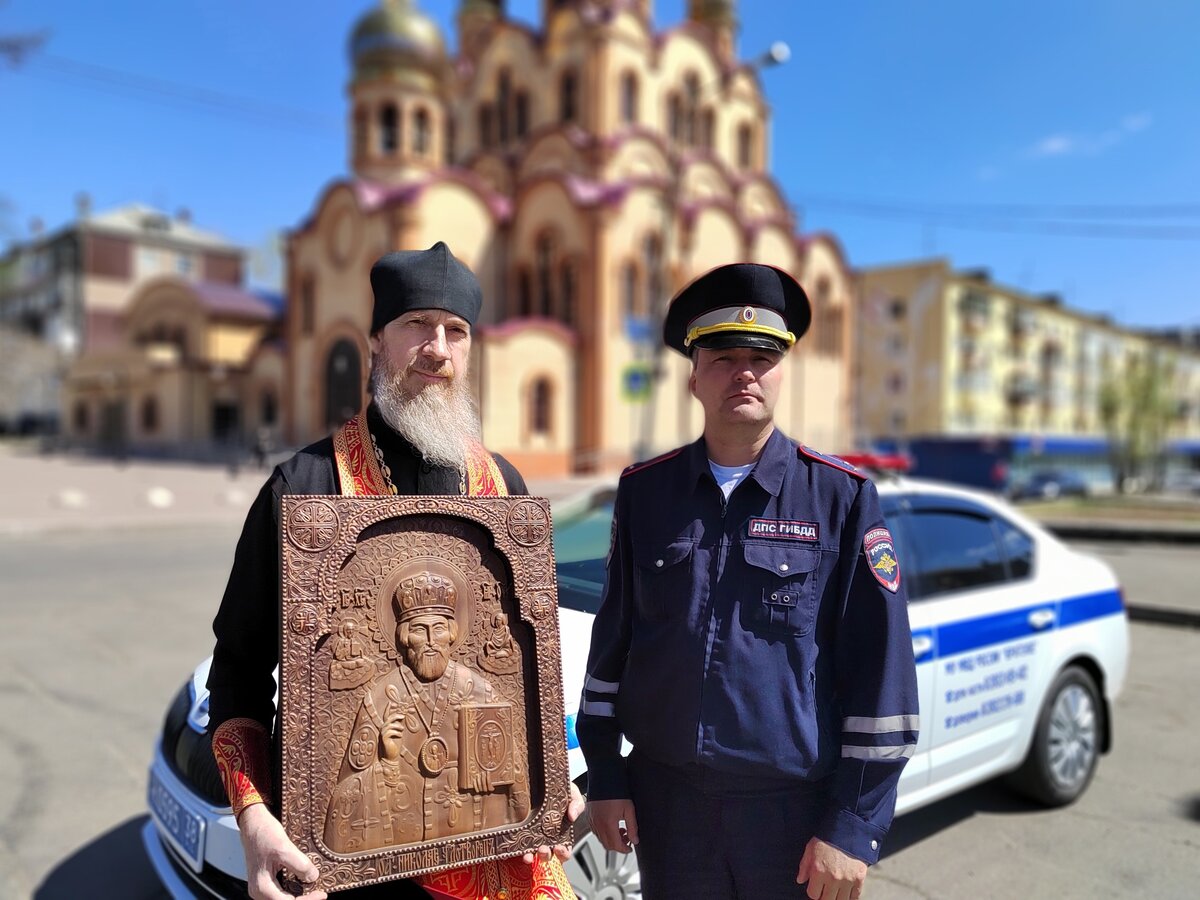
(396, 36)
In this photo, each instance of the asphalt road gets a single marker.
(99, 628)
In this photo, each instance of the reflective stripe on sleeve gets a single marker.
(596, 686)
(883, 725)
(593, 708)
(905, 751)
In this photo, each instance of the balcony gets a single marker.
(974, 309)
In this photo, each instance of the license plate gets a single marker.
(183, 827)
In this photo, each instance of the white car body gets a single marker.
(985, 660)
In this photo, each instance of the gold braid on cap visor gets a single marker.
(747, 319)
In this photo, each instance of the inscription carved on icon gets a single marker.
(421, 700)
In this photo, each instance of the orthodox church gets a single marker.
(585, 171)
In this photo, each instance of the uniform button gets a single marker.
(783, 567)
(874, 845)
(659, 563)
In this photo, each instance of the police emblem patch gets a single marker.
(881, 557)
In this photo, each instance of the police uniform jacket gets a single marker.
(766, 635)
(241, 681)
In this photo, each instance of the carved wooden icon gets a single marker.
(420, 684)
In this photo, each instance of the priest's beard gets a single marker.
(441, 420)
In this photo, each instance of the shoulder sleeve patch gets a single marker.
(832, 461)
(880, 551)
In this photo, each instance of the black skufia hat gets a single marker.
(738, 305)
(423, 279)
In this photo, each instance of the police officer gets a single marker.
(752, 642)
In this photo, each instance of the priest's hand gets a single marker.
(268, 851)
(575, 807)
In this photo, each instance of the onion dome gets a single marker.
(396, 38)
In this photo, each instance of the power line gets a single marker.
(149, 88)
(1187, 210)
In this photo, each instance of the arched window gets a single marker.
(568, 96)
(524, 293)
(421, 131)
(745, 145)
(503, 104)
(652, 254)
(389, 130)
(708, 128)
(566, 299)
(522, 113)
(541, 399)
(629, 285)
(308, 302)
(451, 140)
(691, 92)
(80, 419)
(544, 257)
(149, 415)
(485, 126)
(675, 117)
(360, 133)
(828, 319)
(629, 98)
(343, 383)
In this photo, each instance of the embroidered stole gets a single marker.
(359, 473)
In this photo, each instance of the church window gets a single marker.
(360, 133)
(522, 113)
(745, 145)
(485, 126)
(566, 279)
(691, 88)
(524, 293)
(568, 97)
(675, 117)
(541, 400)
(421, 132)
(451, 139)
(503, 104)
(389, 129)
(307, 306)
(629, 98)
(828, 320)
(545, 284)
(708, 128)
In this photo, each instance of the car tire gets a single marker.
(599, 874)
(1066, 744)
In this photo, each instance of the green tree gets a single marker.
(1137, 408)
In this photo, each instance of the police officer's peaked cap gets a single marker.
(739, 305)
(423, 279)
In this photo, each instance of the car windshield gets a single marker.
(580, 549)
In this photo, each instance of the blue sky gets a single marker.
(1056, 143)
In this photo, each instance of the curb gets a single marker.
(1157, 615)
(1150, 534)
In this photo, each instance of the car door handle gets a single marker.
(922, 646)
(1041, 619)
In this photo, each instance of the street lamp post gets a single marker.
(775, 55)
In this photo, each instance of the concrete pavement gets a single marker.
(42, 493)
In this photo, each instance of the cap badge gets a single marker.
(748, 314)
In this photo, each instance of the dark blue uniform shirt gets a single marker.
(766, 635)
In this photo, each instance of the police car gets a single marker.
(1021, 646)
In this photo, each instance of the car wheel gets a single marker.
(1066, 744)
(599, 874)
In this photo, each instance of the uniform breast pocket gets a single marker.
(663, 580)
(781, 591)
